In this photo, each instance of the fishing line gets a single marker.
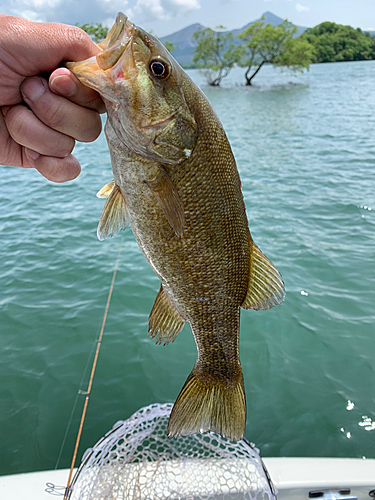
(87, 393)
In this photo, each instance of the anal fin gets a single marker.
(169, 200)
(114, 215)
(266, 286)
(164, 319)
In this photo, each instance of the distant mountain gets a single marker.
(269, 18)
(185, 44)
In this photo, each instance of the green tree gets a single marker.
(96, 31)
(335, 42)
(170, 46)
(214, 55)
(276, 45)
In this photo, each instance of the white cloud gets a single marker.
(92, 11)
(35, 10)
(40, 4)
(301, 8)
(187, 4)
(162, 10)
(29, 14)
(148, 10)
(113, 6)
(267, 0)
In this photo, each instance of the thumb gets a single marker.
(62, 42)
(41, 47)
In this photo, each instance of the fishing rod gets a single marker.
(88, 391)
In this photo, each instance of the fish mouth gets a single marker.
(116, 42)
(93, 71)
(121, 23)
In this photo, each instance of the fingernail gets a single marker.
(33, 155)
(63, 84)
(32, 89)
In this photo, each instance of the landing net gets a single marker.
(136, 461)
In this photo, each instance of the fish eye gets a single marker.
(160, 69)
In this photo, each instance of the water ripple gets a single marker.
(305, 148)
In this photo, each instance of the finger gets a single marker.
(27, 130)
(63, 82)
(35, 48)
(52, 168)
(10, 152)
(41, 47)
(59, 113)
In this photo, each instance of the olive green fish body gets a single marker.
(176, 182)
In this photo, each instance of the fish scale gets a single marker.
(176, 182)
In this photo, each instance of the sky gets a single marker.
(167, 16)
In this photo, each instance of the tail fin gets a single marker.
(209, 404)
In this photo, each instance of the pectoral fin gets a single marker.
(106, 190)
(164, 319)
(114, 216)
(266, 286)
(169, 200)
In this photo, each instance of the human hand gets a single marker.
(40, 120)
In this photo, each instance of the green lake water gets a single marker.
(305, 148)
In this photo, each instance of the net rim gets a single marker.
(166, 408)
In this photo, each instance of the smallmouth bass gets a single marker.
(176, 183)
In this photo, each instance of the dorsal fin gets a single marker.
(164, 319)
(169, 200)
(266, 286)
(114, 215)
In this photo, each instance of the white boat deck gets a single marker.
(293, 477)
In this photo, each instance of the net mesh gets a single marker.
(136, 461)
